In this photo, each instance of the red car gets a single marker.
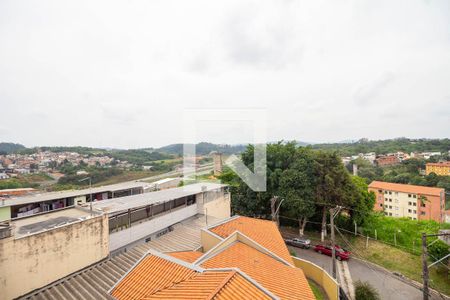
(341, 254)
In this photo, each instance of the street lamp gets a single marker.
(90, 191)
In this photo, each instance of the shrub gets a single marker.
(365, 291)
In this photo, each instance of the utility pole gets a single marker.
(333, 213)
(425, 275)
(425, 266)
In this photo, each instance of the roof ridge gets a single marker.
(221, 285)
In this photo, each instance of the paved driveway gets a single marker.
(389, 287)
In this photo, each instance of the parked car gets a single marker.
(299, 242)
(341, 253)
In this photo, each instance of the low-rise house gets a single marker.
(240, 258)
(387, 160)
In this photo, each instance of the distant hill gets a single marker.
(203, 148)
(387, 146)
(10, 147)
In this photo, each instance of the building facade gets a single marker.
(409, 201)
(39, 250)
(387, 160)
(441, 168)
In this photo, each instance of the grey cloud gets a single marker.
(365, 93)
(255, 40)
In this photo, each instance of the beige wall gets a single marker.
(208, 240)
(5, 213)
(33, 261)
(216, 205)
(320, 276)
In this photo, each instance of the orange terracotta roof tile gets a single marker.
(406, 188)
(285, 281)
(440, 164)
(150, 275)
(263, 232)
(212, 285)
(159, 278)
(188, 256)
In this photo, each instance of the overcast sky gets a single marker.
(121, 73)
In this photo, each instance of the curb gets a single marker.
(404, 279)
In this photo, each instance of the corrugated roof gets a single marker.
(406, 188)
(263, 232)
(72, 193)
(124, 203)
(285, 281)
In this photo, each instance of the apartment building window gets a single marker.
(380, 191)
(414, 196)
(422, 204)
(409, 203)
(422, 213)
(409, 195)
(385, 192)
(390, 207)
(381, 204)
(415, 211)
(414, 204)
(409, 211)
(390, 193)
(390, 214)
(414, 218)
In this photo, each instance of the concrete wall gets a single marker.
(219, 208)
(33, 261)
(140, 231)
(320, 276)
(5, 213)
(208, 240)
(216, 204)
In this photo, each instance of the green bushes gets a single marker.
(400, 232)
(365, 291)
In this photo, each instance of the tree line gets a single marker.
(310, 182)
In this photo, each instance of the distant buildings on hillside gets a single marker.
(440, 168)
(395, 158)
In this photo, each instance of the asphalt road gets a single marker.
(389, 287)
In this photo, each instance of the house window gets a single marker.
(422, 213)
